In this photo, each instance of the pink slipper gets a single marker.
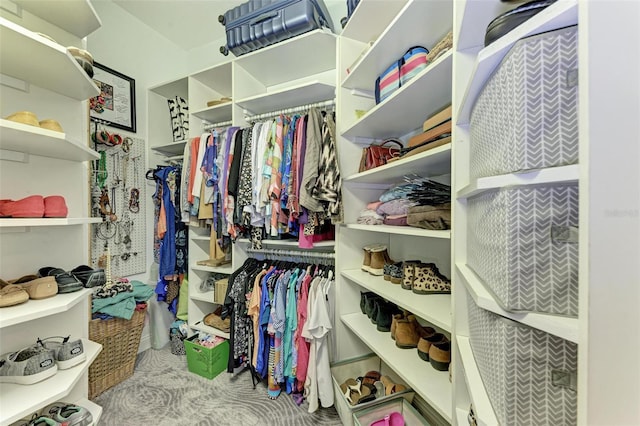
(32, 206)
(3, 206)
(392, 419)
(55, 206)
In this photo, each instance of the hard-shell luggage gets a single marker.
(530, 375)
(526, 116)
(260, 23)
(511, 19)
(351, 6)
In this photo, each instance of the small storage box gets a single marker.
(529, 375)
(368, 416)
(522, 243)
(355, 368)
(206, 362)
(526, 117)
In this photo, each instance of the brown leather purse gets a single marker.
(376, 155)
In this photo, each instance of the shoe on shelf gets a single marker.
(67, 282)
(37, 419)
(11, 294)
(68, 414)
(425, 343)
(408, 273)
(428, 280)
(379, 258)
(366, 262)
(384, 315)
(90, 277)
(31, 206)
(37, 287)
(440, 355)
(55, 206)
(68, 353)
(395, 272)
(27, 366)
(406, 334)
(363, 300)
(214, 319)
(370, 304)
(390, 387)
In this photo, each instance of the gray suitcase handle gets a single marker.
(263, 17)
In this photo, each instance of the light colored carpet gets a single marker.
(162, 392)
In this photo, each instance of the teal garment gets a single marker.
(122, 305)
(291, 323)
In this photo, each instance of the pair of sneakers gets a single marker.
(38, 362)
(76, 279)
(59, 413)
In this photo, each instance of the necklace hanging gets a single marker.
(134, 198)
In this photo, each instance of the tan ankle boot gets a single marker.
(379, 256)
(366, 263)
(440, 355)
(407, 336)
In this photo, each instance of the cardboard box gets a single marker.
(206, 362)
(357, 367)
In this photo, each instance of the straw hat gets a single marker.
(51, 124)
(24, 117)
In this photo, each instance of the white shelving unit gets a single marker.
(40, 161)
(367, 51)
(288, 97)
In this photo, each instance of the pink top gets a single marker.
(301, 343)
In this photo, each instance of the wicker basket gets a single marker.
(120, 339)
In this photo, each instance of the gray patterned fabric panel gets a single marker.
(517, 365)
(527, 114)
(511, 248)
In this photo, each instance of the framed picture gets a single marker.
(116, 104)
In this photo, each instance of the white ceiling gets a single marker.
(187, 23)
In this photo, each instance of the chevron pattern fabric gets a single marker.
(516, 363)
(510, 247)
(527, 114)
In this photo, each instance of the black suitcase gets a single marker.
(511, 19)
(351, 6)
(260, 23)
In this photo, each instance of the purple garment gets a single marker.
(397, 221)
(399, 206)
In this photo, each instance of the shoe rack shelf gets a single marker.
(28, 139)
(429, 383)
(400, 230)
(20, 400)
(23, 54)
(34, 309)
(77, 16)
(435, 308)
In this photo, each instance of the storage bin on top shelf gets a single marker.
(526, 117)
(529, 375)
(522, 242)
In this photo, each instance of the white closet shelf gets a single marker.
(66, 221)
(201, 238)
(564, 327)
(561, 174)
(370, 18)
(290, 243)
(400, 230)
(77, 17)
(429, 22)
(95, 409)
(408, 108)
(222, 269)
(42, 142)
(23, 54)
(558, 15)
(217, 78)
(462, 417)
(211, 330)
(435, 162)
(479, 397)
(169, 149)
(281, 58)
(34, 309)
(436, 308)
(173, 88)
(19, 400)
(429, 383)
(216, 113)
(297, 95)
(204, 297)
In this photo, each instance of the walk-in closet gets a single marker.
(305, 212)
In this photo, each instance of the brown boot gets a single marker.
(407, 336)
(425, 344)
(440, 355)
(366, 263)
(394, 321)
(379, 257)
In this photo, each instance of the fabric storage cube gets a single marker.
(529, 375)
(521, 244)
(526, 116)
(354, 368)
(374, 414)
(206, 362)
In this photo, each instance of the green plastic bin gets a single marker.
(206, 362)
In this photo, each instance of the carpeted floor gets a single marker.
(162, 392)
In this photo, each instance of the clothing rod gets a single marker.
(208, 126)
(291, 110)
(292, 253)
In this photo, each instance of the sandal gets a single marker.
(390, 387)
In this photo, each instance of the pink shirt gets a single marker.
(301, 343)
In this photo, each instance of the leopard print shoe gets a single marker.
(428, 280)
(408, 273)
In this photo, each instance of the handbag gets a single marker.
(376, 155)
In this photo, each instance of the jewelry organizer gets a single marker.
(118, 195)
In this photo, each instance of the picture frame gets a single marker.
(115, 106)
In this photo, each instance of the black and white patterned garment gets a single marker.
(328, 184)
(246, 177)
(240, 320)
